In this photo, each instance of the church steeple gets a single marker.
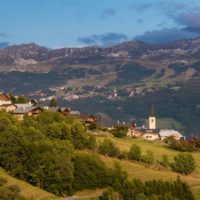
(152, 114)
(152, 119)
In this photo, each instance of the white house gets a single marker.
(170, 132)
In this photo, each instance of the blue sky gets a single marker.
(59, 23)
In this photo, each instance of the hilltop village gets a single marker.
(31, 108)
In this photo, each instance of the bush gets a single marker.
(120, 131)
(110, 194)
(123, 155)
(164, 160)
(92, 126)
(184, 163)
(134, 153)
(107, 147)
(181, 145)
(148, 158)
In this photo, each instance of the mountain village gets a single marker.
(32, 109)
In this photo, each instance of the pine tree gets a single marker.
(53, 103)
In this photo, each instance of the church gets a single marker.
(152, 132)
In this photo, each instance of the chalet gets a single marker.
(104, 121)
(64, 110)
(20, 112)
(51, 109)
(133, 131)
(86, 119)
(4, 99)
(23, 105)
(8, 107)
(150, 134)
(168, 133)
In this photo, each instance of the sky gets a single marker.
(76, 23)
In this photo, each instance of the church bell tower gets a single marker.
(152, 119)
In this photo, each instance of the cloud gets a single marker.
(106, 39)
(195, 29)
(188, 19)
(108, 13)
(165, 35)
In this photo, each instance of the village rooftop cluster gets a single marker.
(32, 109)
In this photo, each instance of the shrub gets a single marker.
(164, 160)
(149, 157)
(92, 126)
(122, 155)
(134, 153)
(110, 194)
(120, 131)
(181, 145)
(184, 163)
(107, 147)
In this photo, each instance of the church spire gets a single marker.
(152, 114)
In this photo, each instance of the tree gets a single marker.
(12, 98)
(79, 136)
(92, 126)
(107, 147)
(118, 178)
(184, 163)
(89, 172)
(120, 131)
(21, 99)
(134, 153)
(53, 103)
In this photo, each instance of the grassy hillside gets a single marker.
(27, 190)
(146, 172)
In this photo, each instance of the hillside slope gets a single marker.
(27, 190)
(147, 172)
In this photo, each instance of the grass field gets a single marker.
(134, 170)
(146, 172)
(27, 190)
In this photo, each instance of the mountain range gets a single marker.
(137, 70)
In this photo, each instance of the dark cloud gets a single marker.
(195, 29)
(3, 44)
(106, 39)
(188, 19)
(108, 13)
(166, 35)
